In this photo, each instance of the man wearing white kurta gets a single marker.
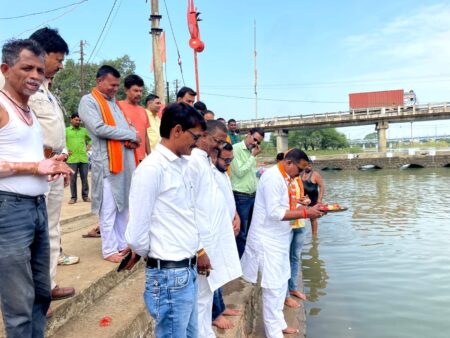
(267, 249)
(214, 222)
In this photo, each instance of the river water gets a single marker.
(382, 268)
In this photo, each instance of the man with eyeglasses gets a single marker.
(163, 225)
(244, 181)
(222, 163)
(267, 251)
(214, 223)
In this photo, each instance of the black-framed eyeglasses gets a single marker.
(256, 140)
(219, 142)
(194, 136)
(227, 160)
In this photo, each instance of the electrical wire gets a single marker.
(103, 29)
(44, 12)
(417, 79)
(107, 31)
(275, 100)
(47, 21)
(176, 44)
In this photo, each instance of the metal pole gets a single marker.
(81, 67)
(255, 69)
(197, 86)
(156, 31)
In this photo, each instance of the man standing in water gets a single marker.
(314, 189)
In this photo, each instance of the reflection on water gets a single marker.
(381, 269)
(314, 274)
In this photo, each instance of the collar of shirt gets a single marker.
(167, 153)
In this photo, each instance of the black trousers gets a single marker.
(83, 169)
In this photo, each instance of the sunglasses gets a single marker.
(256, 141)
(194, 136)
(227, 160)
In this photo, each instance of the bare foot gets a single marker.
(290, 330)
(231, 312)
(114, 258)
(222, 323)
(291, 303)
(298, 294)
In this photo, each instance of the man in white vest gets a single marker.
(25, 291)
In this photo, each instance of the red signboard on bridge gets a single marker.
(387, 98)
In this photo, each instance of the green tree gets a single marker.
(315, 139)
(66, 84)
(371, 136)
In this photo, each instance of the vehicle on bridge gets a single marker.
(386, 99)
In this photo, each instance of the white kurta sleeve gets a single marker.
(276, 197)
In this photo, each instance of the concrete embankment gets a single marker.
(102, 292)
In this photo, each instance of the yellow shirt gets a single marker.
(153, 132)
(298, 223)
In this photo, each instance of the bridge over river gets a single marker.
(381, 117)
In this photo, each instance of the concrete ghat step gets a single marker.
(91, 278)
(245, 297)
(125, 306)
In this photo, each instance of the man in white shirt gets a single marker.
(222, 163)
(163, 225)
(214, 221)
(268, 242)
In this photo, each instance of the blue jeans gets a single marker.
(171, 299)
(244, 208)
(218, 305)
(298, 238)
(25, 291)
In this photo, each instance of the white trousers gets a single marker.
(112, 223)
(273, 303)
(204, 301)
(54, 200)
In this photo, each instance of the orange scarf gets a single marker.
(293, 192)
(114, 146)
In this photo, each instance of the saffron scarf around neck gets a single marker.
(295, 192)
(115, 154)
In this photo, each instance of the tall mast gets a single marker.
(255, 69)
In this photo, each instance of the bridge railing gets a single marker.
(370, 113)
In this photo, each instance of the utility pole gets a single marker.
(176, 86)
(156, 31)
(255, 70)
(82, 66)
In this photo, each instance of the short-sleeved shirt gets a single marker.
(138, 118)
(76, 140)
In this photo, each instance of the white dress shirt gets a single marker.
(268, 241)
(162, 222)
(214, 221)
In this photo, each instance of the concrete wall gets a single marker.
(426, 161)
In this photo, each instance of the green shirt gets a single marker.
(243, 169)
(76, 140)
(233, 137)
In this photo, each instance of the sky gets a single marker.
(311, 54)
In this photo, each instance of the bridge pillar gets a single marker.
(282, 140)
(381, 128)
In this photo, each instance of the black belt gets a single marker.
(253, 194)
(160, 264)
